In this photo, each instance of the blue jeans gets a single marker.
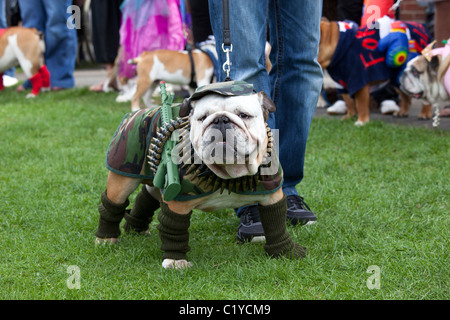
(50, 17)
(295, 80)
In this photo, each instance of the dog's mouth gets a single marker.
(411, 86)
(416, 94)
(228, 150)
(225, 142)
(235, 149)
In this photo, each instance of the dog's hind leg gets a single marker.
(141, 215)
(144, 65)
(350, 103)
(45, 74)
(149, 102)
(143, 84)
(362, 104)
(36, 83)
(113, 204)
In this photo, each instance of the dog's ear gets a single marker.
(266, 104)
(434, 63)
(185, 108)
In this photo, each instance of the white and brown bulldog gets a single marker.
(194, 68)
(427, 78)
(352, 59)
(24, 47)
(225, 157)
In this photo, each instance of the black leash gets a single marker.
(226, 35)
(192, 83)
(226, 23)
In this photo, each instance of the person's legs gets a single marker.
(3, 23)
(248, 29)
(296, 80)
(247, 23)
(248, 36)
(61, 44)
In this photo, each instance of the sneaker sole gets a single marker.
(251, 239)
(299, 223)
(258, 239)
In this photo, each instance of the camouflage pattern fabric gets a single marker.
(227, 88)
(127, 152)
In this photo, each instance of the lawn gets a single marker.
(381, 194)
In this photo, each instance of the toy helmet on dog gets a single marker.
(227, 88)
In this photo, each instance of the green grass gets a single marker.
(381, 194)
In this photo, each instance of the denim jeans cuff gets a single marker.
(290, 191)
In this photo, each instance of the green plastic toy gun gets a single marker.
(167, 174)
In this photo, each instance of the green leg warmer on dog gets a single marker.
(141, 215)
(174, 234)
(111, 215)
(278, 241)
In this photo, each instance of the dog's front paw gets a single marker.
(176, 264)
(104, 241)
(400, 114)
(423, 117)
(360, 123)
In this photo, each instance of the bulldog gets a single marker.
(352, 58)
(427, 79)
(193, 68)
(24, 47)
(225, 156)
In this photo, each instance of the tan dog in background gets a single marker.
(24, 47)
(172, 67)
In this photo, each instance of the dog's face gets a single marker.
(420, 79)
(229, 133)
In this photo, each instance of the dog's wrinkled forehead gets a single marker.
(228, 88)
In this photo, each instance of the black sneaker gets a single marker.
(298, 211)
(250, 229)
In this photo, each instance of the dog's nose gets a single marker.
(221, 120)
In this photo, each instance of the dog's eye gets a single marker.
(202, 118)
(415, 72)
(244, 116)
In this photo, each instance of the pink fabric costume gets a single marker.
(148, 25)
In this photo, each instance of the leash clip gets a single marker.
(227, 65)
